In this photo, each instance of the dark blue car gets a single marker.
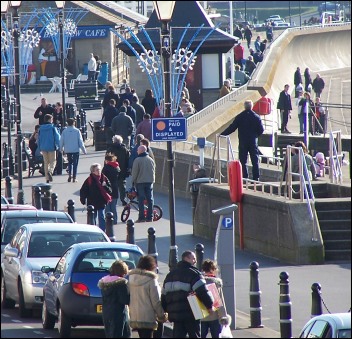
(71, 293)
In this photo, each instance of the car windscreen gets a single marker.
(12, 225)
(55, 243)
(101, 260)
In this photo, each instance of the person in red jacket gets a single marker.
(239, 54)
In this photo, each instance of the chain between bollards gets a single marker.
(254, 296)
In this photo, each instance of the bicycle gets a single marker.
(132, 202)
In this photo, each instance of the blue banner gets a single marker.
(84, 32)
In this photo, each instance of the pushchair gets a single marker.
(132, 202)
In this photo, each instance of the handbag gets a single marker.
(225, 332)
(198, 308)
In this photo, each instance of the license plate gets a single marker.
(99, 308)
(127, 200)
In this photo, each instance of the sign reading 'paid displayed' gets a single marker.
(169, 129)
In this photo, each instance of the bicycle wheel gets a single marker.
(125, 213)
(157, 212)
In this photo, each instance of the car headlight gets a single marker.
(38, 277)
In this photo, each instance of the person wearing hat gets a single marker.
(123, 125)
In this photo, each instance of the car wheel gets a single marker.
(48, 320)
(64, 325)
(5, 301)
(24, 312)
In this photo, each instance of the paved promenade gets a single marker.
(335, 279)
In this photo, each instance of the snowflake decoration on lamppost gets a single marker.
(184, 59)
(149, 62)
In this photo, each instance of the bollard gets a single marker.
(83, 124)
(24, 156)
(54, 201)
(109, 222)
(199, 255)
(285, 307)
(37, 198)
(46, 201)
(90, 215)
(130, 231)
(5, 161)
(8, 189)
(254, 296)
(317, 307)
(71, 209)
(152, 246)
(78, 122)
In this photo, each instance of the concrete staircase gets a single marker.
(334, 217)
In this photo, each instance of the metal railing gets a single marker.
(335, 157)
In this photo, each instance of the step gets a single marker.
(337, 255)
(333, 204)
(334, 214)
(332, 225)
(337, 245)
(330, 235)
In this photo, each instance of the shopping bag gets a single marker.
(198, 308)
(216, 296)
(225, 332)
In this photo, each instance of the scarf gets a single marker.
(106, 195)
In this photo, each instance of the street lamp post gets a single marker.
(16, 34)
(60, 5)
(164, 10)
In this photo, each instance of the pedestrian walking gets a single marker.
(213, 321)
(297, 80)
(145, 298)
(71, 143)
(318, 85)
(149, 102)
(143, 178)
(307, 80)
(178, 284)
(310, 174)
(116, 298)
(140, 110)
(96, 190)
(307, 112)
(250, 127)
(119, 149)
(48, 143)
(111, 170)
(92, 67)
(110, 112)
(285, 106)
(145, 127)
(248, 35)
(43, 110)
(123, 125)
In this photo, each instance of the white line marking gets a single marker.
(5, 315)
(16, 321)
(27, 326)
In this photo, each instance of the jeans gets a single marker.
(214, 327)
(91, 75)
(112, 207)
(192, 327)
(72, 163)
(101, 218)
(145, 192)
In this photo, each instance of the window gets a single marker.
(319, 329)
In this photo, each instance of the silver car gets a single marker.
(34, 246)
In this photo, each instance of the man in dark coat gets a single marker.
(178, 284)
(297, 80)
(110, 94)
(42, 110)
(285, 107)
(318, 85)
(250, 127)
(110, 112)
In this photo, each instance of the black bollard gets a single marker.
(8, 189)
(317, 307)
(109, 222)
(38, 197)
(90, 215)
(24, 156)
(71, 209)
(5, 161)
(199, 255)
(83, 124)
(254, 296)
(46, 200)
(152, 246)
(285, 307)
(130, 231)
(54, 201)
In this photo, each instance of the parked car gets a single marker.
(71, 294)
(328, 6)
(282, 24)
(33, 246)
(4, 201)
(12, 220)
(337, 325)
(274, 18)
(16, 207)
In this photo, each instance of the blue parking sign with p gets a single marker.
(227, 222)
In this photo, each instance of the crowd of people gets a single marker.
(134, 300)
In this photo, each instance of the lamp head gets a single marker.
(60, 4)
(4, 6)
(15, 4)
(164, 9)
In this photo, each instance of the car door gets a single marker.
(12, 265)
